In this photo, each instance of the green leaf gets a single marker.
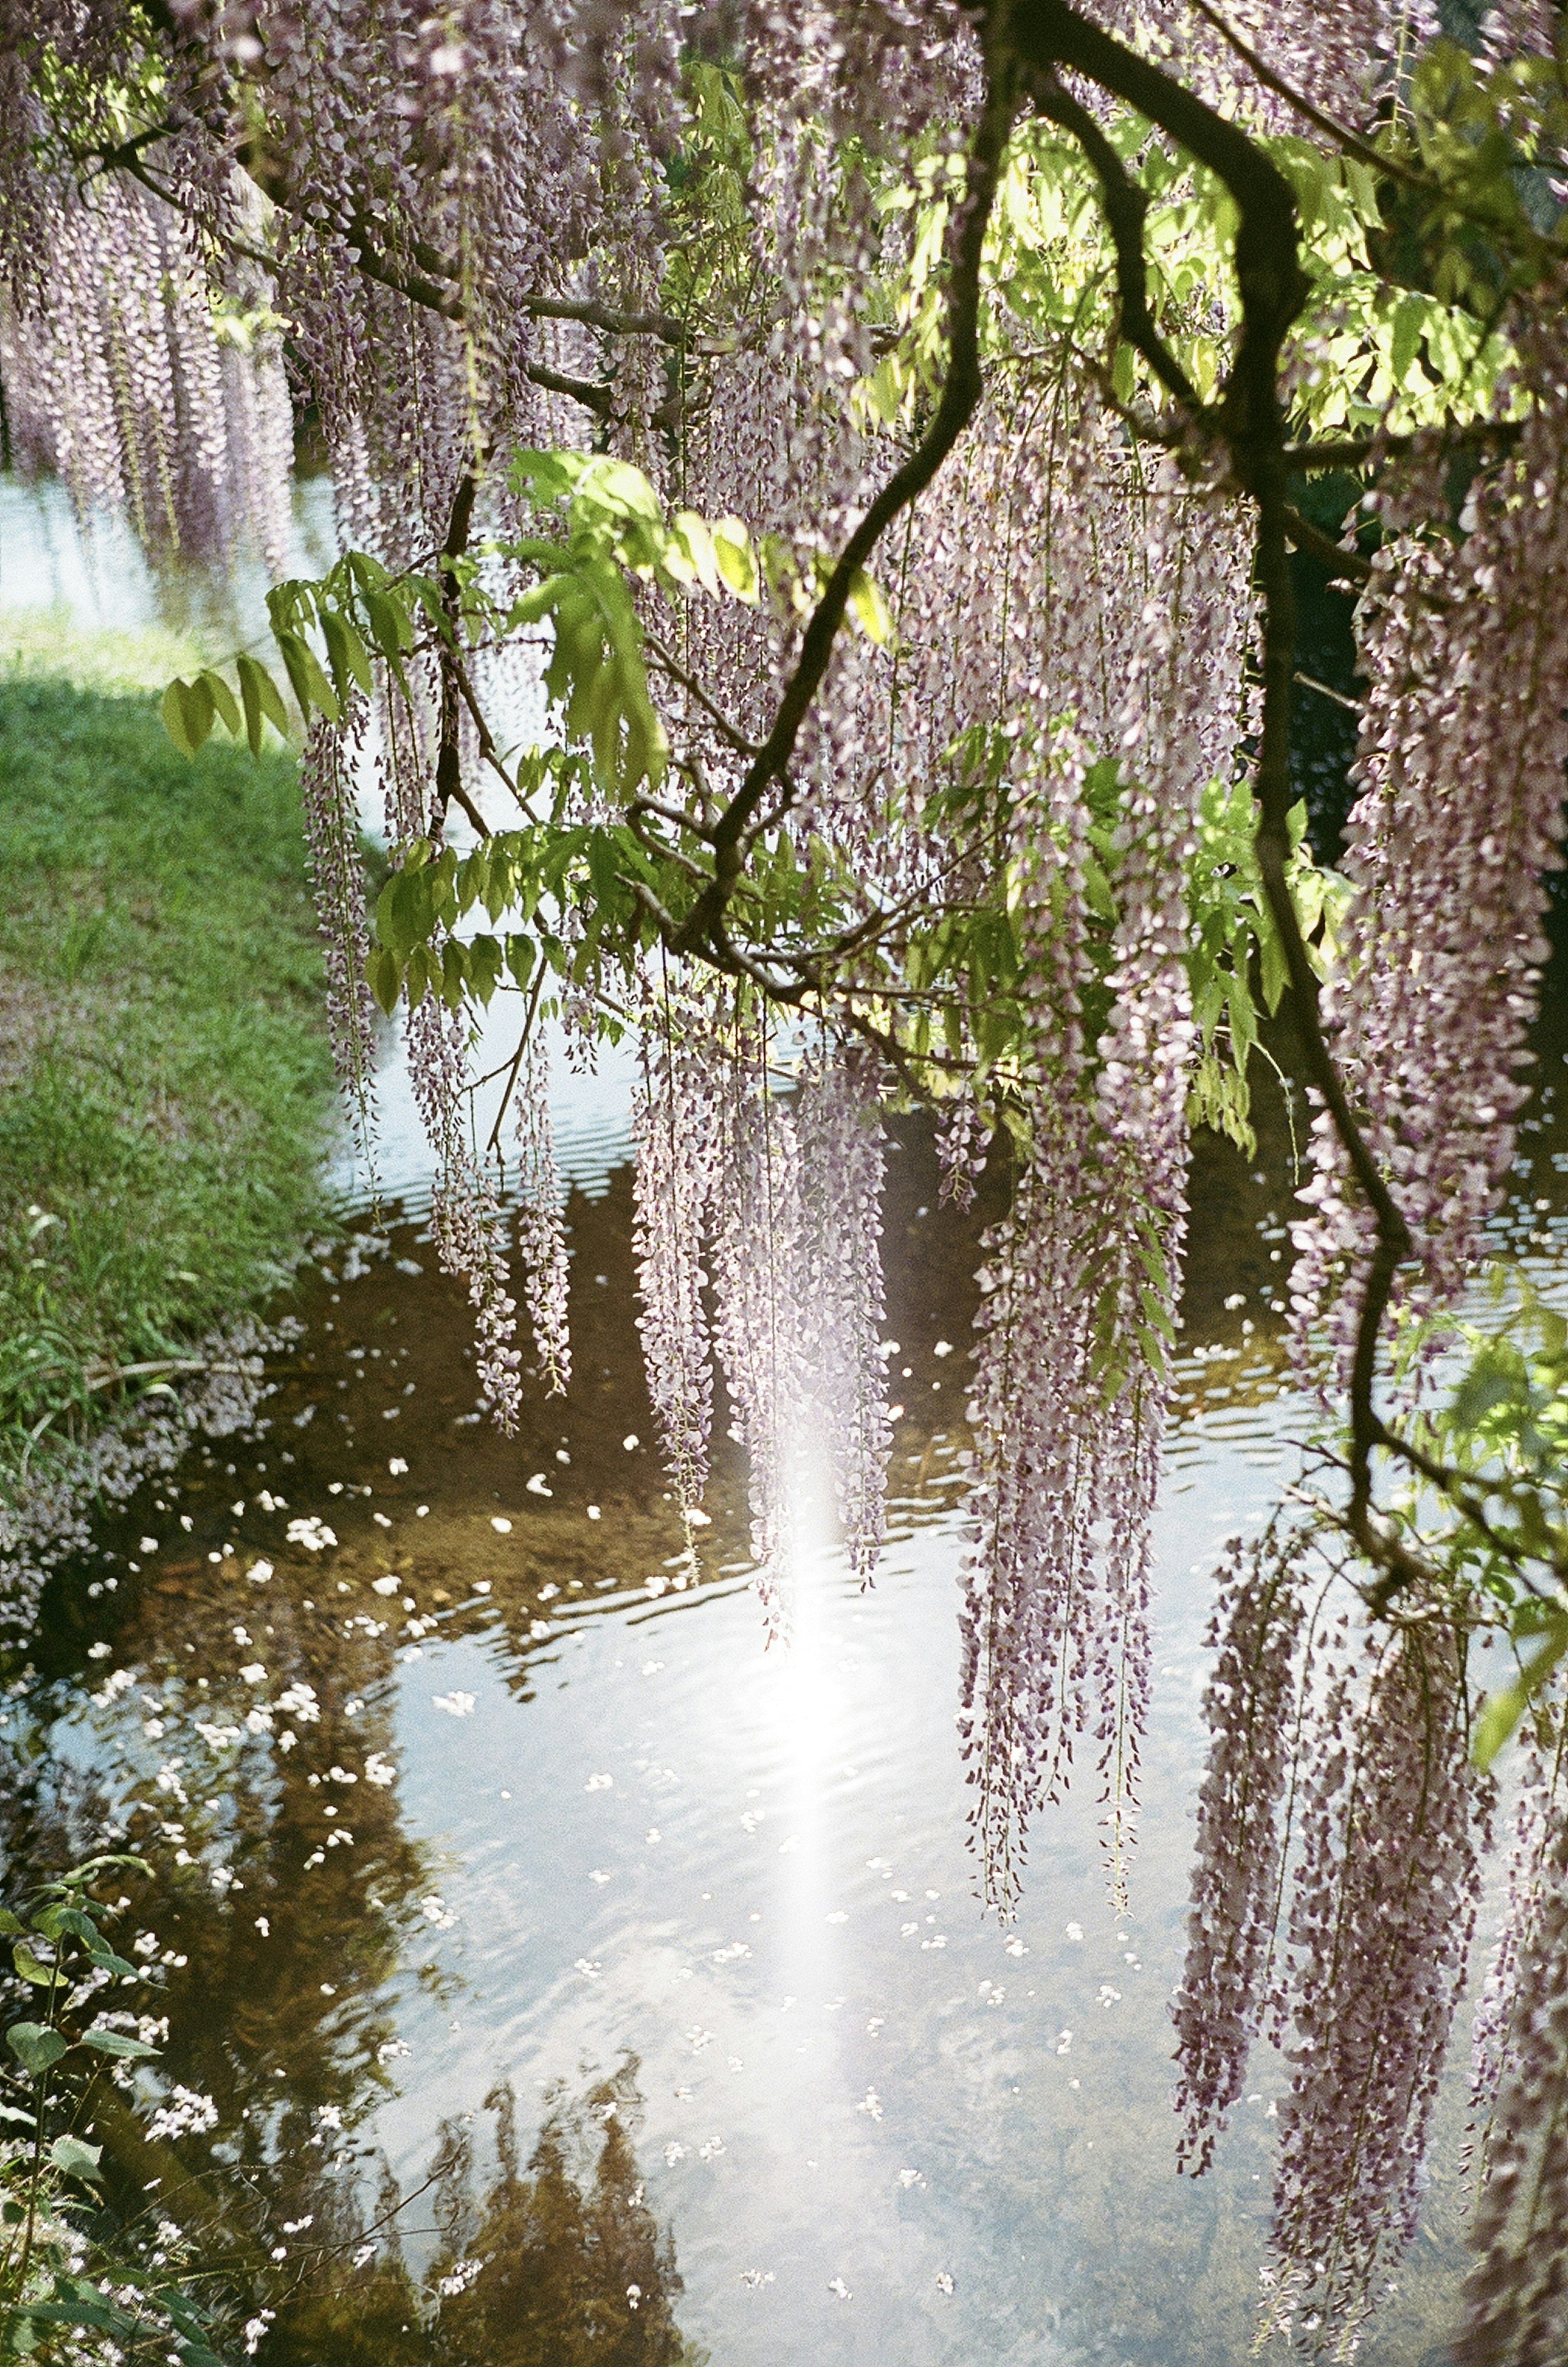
(262, 701)
(735, 558)
(35, 2045)
(312, 688)
(485, 960)
(384, 976)
(417, 975)
(187, 711)
(1501, 1712)
(345, 652)
(116, 2041)
(869, 609)
(389, 626)
(222, 698)
(76, 2159)
(43, 1976)
(693, 539)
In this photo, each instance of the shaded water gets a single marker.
(491, 1855)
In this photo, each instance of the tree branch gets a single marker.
(1250, 419)
(961, 392)
(1125, 206)
(449, 787)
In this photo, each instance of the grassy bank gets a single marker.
(165, 1086)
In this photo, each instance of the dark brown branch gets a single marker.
(961, 392)
(372, 264)
(449, 787)
(516, 1061)
(1354, 452)
(1249, 418)
(1344, 566)
(668, 663)
(1125, 206)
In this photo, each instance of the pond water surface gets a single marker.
(551, 1974)
(515, 1907)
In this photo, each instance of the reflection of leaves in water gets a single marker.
(558, 2264)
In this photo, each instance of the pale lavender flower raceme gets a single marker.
(679, 1146)
(1444, 941)
(839, 1125)
(1250, 1708)
(1383, 1904)
(759, 1326)
(541, 1237)
(1516, 2294)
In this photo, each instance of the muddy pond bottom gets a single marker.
(551, 1973)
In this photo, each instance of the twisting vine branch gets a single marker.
(961, 392)
(1251, 420)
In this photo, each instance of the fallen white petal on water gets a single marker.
(456, 1704)
(499, 1522)
(836, 2285)
(313, 1535)
(396, 1467)
(600, 1783)
(943, 2281)
(537, 1486)
(386, 1585)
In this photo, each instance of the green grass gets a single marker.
(164, 1082)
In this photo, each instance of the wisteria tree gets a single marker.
(877, 436)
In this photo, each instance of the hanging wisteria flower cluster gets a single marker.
(821, 493)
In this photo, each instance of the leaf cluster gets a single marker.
(72, 2286)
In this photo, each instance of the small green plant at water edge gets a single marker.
(77, 2285)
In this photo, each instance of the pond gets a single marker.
(561, 1974)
